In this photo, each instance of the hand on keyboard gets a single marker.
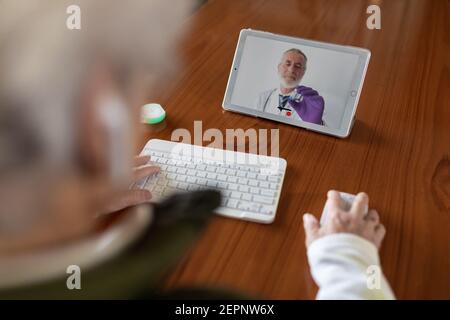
(250, 187)
(132, 197)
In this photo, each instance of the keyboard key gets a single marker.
(162, 175)
(266, 210)
(244, 188)
(193, 187)
(161, 182)
(226, 193)
(158, 190)
(268, 193)
(222, 177)
(201, 174)
(232, 179)
(243, 181)
(261, 177)
(253, 183)
(243, 205)
(191, 180)
(183, 186)
(264, 184)
(211, 175)
(222, 185)
(273, 179)
(231, 172)
(172, 184)
(181, 178)
(232, 203)
(247, 197)
(232, 186)
(211, 183)
(169, 191)
(274, 186)
(254, 190)
(172, 176)
(256, 207)
(265, 200)
(251, 175)
(236, 195)
(180, 163)
(221, 170)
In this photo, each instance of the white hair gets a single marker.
(43, 63)
(298, 51)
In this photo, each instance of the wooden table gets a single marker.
(398, 151)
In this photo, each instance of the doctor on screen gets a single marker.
(289, 99)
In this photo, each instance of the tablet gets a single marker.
(304, 83)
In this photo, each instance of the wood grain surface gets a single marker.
(398, 151)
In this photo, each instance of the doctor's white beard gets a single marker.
(287, 85)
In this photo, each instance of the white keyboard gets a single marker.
(250, 184)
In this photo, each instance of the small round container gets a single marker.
(152, 113)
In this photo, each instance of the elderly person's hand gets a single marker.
(354, 221)
(67, 218)
(132, 197)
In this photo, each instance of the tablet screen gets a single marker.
(294, 81)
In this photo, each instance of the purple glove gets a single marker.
(308, 104)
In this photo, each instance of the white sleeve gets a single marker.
(346, 266)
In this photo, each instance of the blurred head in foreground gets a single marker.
(69, 105)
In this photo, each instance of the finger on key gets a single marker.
(360, 205)
(334, 200)
(133, 198)
(145, 171)
(128, 199)
(141, 160)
